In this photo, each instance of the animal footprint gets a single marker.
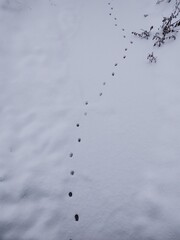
(76, 216)
(70, 194)
(71, 155)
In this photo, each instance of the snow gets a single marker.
(57, 70)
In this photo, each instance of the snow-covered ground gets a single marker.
(89, 129)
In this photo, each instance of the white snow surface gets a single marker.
(56, 63)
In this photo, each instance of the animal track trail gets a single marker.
(124, 36)
(86, 103)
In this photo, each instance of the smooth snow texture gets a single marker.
(66, 62)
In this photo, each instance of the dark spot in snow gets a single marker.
(79, 139)
(116, 25)
(70, 194)
(123, 29)
(109, 3)
(125, 49)
(131, 42)
(76, 216)
(104, 83)
(71, 155)
(77, 125)
(72, 172)
(115, 18)
(86, 103)
(111, 8)
(110, 14)
(113, 74)
(85, 114)
(100, 94)
(124, 57)
(115, 64)
(124, 36)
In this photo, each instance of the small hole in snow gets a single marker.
(125, 49)
(110, 14)
(115, 64)
(104, 83)
(124, 36)
(109, 3)
(124, 57)
(72, 172)
(113, 74)
(100, 94)
(116, 25)
(115, 18)
(77, 125)
(123, 29)
(79, 139)
(71, 155)
(70, 194)
(131, 42)
(76, 216)
(111, 8)
(86, 103)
